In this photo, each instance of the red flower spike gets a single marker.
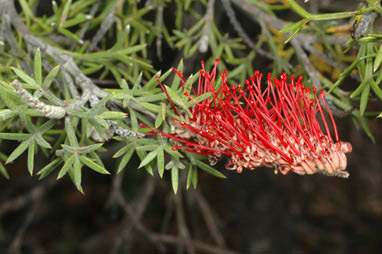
(276, 127)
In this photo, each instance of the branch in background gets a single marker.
(159, 23)
(298, 41)
(183, 230)
(44, 109)
(209, 217)
(239, 29)
(33, 197)
(93, 11)
(105, 26)
(208, 18)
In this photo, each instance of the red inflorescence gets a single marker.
(279, 126)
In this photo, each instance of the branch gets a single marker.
(239, 29)
(208, 17)
(44, 109)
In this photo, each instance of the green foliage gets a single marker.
(62, 57)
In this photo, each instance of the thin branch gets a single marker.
(105, 26)
(48, 111)
(239, 29)
(208, 18)
(184, 233)
(158, 24)
(209, 217)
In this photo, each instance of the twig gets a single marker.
(115, 198)
(24, 199)
(85, 27)
(297, 41)
(239, 29)
(170, 239)
(105, 26)
(208, 217)
(159, 23)
(182, 226)
(46, 110)
(312, 72)
(15, 246)
(208, 18)
(198, 245)
(33, 196)
(69, 82)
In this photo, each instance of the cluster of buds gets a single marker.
(282, 125)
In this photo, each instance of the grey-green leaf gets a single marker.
(98, 168)
(175, 179)
(209, 169)
(18, 151)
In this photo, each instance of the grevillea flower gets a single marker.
(282, 126)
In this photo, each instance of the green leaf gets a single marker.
(100, 129)
(161, 115)
(150, 106)
(15, 136)
(298, 9)
(160, 162)
(293, 34)
(70, 35)
(195, 178)
(70, 131)
(75, 173)
(142, 156)
(45, 171)
(65, 12)
(18, 151)
(176, 82)
(175, 179)
(89, 148)
(3, 171)
(125, 159)
(378, 59)
(42, 142)
(177, 100)
(364, 99)
(123, 150)
(294, 26)
(366, 128)
(51, 75)
(359, 89)
(68, 163)
(189, 176)
(198, 99)
(133, 119)
(209, 169)
(25, 77)
(98, 168)
(375, 88)
(137, 83)
(31, 156)
(343, 75)
(113, 115)
(173, 153)
(38, 67)
(47, 125)
(80, 18)
(148, 158)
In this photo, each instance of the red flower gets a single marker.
(279, 126)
